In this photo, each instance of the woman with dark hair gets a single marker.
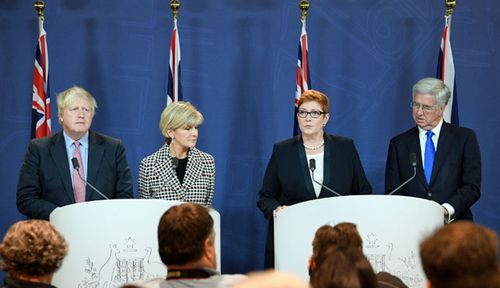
(343, 267)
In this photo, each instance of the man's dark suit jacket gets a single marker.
(45, 179)
(287, 180)
(456, 174)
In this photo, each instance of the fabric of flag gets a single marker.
(40, 112)
(303, 79)
(446, 72)
(174, 91)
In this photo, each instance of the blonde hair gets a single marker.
(65, 98)
(179, 115)
(32, 248)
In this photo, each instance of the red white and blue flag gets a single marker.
(303, 78)
(40, 114)
(174, 91)
(446, 72)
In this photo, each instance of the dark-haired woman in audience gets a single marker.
(341, 267)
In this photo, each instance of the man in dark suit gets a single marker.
(47, 179)
(449, 161)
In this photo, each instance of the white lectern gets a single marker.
(391, 228)
(112, 242)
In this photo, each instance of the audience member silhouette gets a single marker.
(461, 255)
(343, 267)
(341, 236)
(31, 252)
(186, 240)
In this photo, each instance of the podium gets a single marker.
(391, 228)
(113, 242)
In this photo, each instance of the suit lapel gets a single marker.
(95, 156)
(414, 146)
(193, 169)
(444, 143)
(60, 159)
(306, 176)
(328, 162)
(166, 172)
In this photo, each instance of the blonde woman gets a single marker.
(178, 171)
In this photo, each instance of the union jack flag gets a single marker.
(40, 112)
(174, 91)
(446, 72)
(303, 79)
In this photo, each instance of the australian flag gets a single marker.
(174, 91)
(40, 112)
(446, 72)
(303, 79)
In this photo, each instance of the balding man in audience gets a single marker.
(461, 255)
(186, 240)
(31, 252)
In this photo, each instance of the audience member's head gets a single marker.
(343, 267)
(387, 280)
(462, 254)
(186, 237)
(341, 235)
(272, 279)
(32, 250)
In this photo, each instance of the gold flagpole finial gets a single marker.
(39, 6)
(304, 6)
(175, 5)
(450, 5)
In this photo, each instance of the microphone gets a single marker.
(312, 167)
(76, 166)
(413, 160)
(175, 162)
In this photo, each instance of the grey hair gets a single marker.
(65, 98)
(434, 87)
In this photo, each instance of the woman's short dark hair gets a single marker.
(343, 267)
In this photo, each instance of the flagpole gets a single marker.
(175, 5)
(40, 103)
(450, 5)
(303, 82)
(304, 6)
(39, 6)
(446, 67)
(174, 89)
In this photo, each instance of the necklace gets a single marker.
(314, 147)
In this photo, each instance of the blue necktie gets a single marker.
(430, 152)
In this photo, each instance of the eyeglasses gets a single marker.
(76, 110)
(314, 114)
(425, 108)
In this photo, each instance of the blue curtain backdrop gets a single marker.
(239, 62)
